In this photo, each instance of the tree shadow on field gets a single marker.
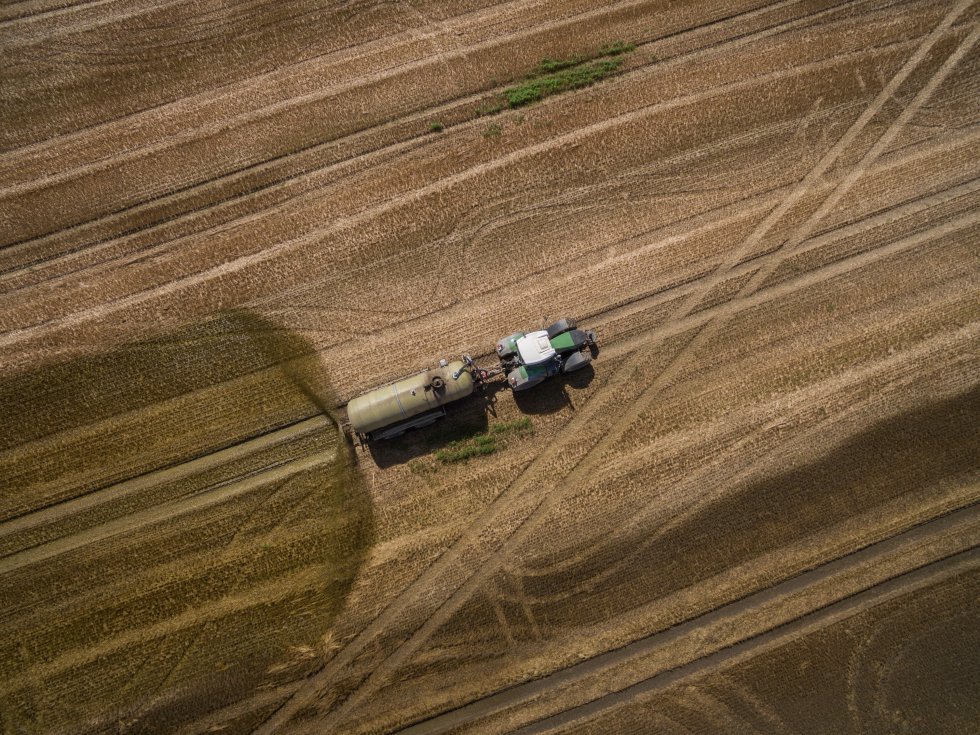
(186, 498)
(904, 455)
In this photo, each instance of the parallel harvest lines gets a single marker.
(71, 13)
(949, 535)
(331, 172)
(159, 513)
(273, 116)
(504, 547)
(961, 563)
(289, 246)
(138, 485)
(617, 349)
(277, 177)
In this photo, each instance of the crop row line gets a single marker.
(296, 178)
(462, 591)
(958, 526)
(157, 513)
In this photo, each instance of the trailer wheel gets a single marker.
(560, 327)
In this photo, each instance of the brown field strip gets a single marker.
(963, 566)
(939, 539)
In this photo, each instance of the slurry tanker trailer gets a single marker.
(526, 358)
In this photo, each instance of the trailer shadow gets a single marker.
(464, 419)
(471, 417)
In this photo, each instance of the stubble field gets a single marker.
(757, 513)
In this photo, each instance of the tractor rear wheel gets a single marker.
(560, 327)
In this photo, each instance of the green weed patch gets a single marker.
(575, 77)
(479, 445)
(553, 76)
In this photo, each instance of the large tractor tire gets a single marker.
(576, 361)
(520, 380)
(560, 327)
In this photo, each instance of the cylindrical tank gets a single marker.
(409, 397)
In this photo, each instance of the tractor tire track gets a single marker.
(120, 491)
(763, 418)
(142, 7)
(237, 264)
(955, 533)
(461, 593)
(963, 562)
(159, 513)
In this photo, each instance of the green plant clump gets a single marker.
(573, 77)
(617, 48)
(550, 66)
(552, 76)
(488, 442)
(436, 127)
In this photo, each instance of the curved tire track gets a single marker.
(544, 506)
(956, 533)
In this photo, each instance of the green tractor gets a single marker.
(421, 399)
(530, 357)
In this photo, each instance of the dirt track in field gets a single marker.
(758, 512)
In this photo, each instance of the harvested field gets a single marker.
(757, 512)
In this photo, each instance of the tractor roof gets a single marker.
(535, 348)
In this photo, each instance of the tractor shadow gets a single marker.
(553, 394)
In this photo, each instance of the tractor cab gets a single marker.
(535, 348)
(528, 358)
